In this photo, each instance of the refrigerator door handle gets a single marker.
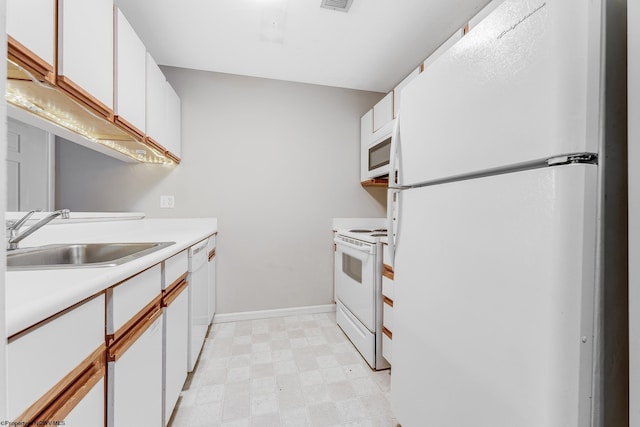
(393, 204)
(393, 155)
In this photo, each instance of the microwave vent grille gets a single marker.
(339, 5)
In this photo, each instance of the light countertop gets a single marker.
(32, 296)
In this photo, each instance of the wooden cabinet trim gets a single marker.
(387, 272)
(387, 332)
(128, 127)
(387, 301)
(174, 292)
(175, 284)
(131, 324)
(212, 254)
(155, 145)
(85, 98)
(65, 395)
(172, 156)
(376, 182)
(122, 344)
(28, 60)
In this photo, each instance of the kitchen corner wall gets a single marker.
(273, 161)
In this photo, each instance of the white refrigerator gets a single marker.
(496, 219)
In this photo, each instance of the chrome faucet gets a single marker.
(13, 237)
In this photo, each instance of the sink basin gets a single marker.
(79, 255)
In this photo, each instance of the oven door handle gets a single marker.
(369, 249)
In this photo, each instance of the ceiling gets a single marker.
(371, 47)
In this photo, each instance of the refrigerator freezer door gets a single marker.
(522, 86)
(494, 294)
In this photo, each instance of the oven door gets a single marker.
(354, 278)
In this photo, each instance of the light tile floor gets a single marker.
(287, 371)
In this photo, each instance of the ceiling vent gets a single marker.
(340, 5)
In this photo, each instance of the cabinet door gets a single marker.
(383, 111)
(173, 121)
(85, 52)
(176, 318)
(156, 101)
(135, 382)
(397, 91)
(129, 300)
(40, 358)
(366, 134)
(31, 23)
(130, 76)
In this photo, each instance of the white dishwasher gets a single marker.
(198, 279)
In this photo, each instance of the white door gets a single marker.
(494, 283)
(522, 86)
(30, 168)
(355, 280)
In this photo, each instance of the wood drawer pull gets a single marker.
(174, 293)
(122, 344)
(387, 301)
(212, 254)
(387, 332)
(387, 273)
(65, 395)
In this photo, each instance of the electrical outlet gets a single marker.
(167, 202)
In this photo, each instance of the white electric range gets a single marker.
(358, 290)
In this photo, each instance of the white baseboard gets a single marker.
(279, 312)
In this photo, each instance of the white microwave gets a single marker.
(377, 153)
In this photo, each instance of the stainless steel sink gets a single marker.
(80, 255)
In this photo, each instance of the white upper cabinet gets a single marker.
(156, 101)
(173, 122)
(130, 75)
(31, 23)
(366, 135)
(85, 55)
(163, 110)
(383, 111)
(397, 91)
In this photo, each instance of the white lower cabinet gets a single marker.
(134, 374)
(119, 358)
(46, 359)
(176, 344)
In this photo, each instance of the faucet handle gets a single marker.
(65, 213)
(15, 225)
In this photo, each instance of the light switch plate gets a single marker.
(167, 202)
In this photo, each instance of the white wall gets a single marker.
(633, 14)
(273, 161)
